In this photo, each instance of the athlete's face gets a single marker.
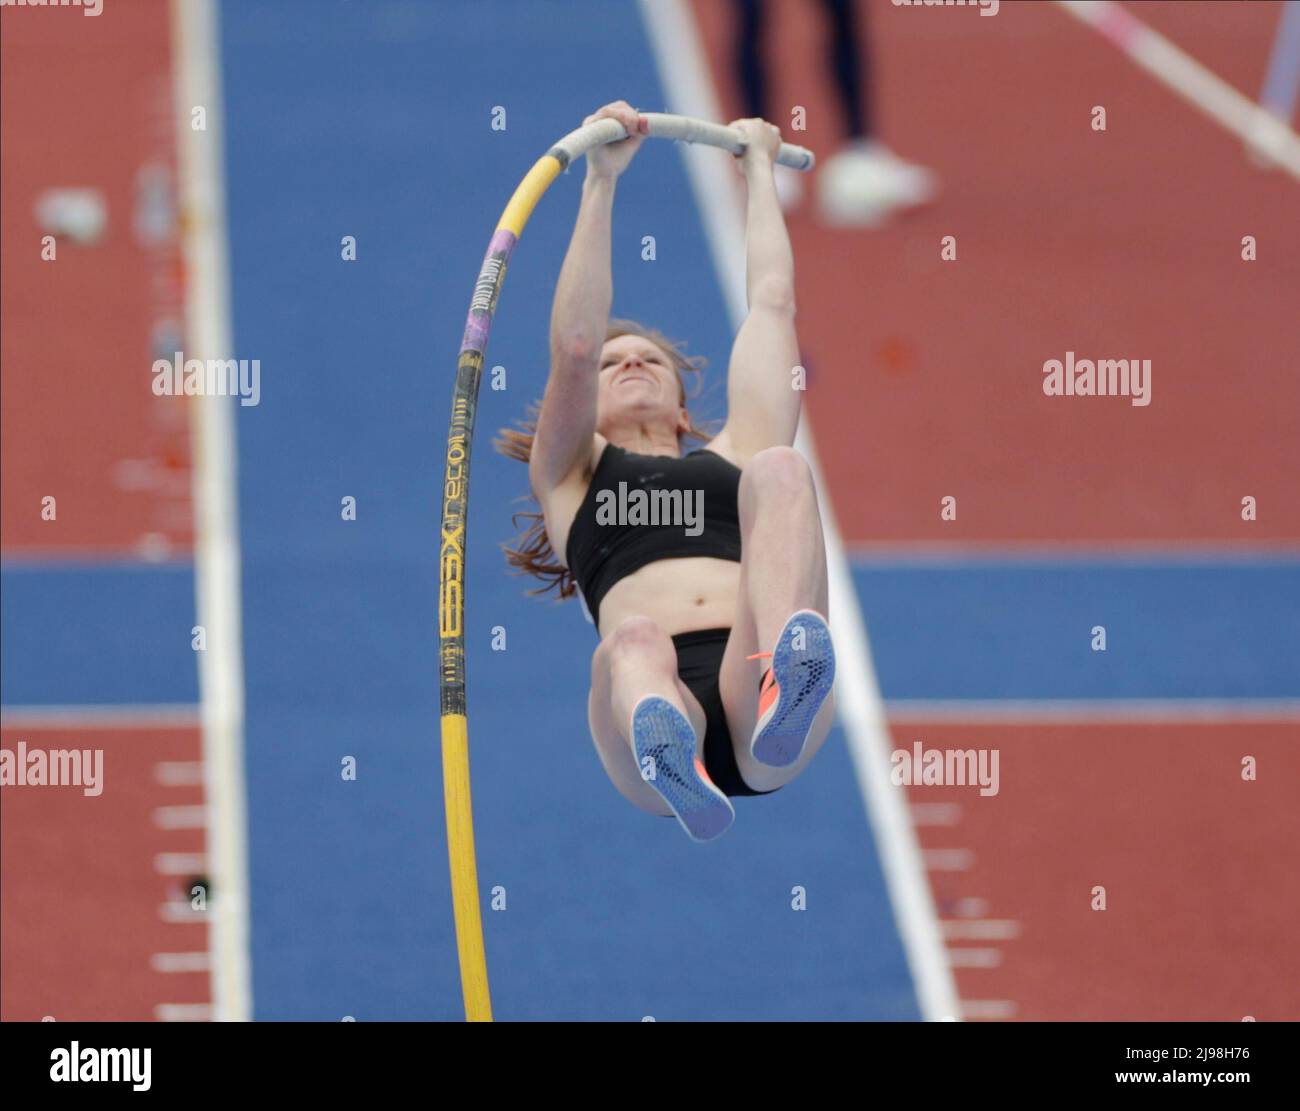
(638, 386)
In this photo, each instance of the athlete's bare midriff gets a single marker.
(679, 595)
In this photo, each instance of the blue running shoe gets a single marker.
(793, 689)
(662, 735)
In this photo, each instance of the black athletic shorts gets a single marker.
(699, 660)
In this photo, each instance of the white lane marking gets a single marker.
(935, 813)
(979, 929)
(179, 773)
(181, 962)
(143, 716)
(197, 72)
(1116, 553)
(179, 913)
(1049, 711)
(974, 958)
(184, 1012)
(674, 40)
(180, 817)
(180, 864)
(948, 860)
(33, 558)
(989, 1008)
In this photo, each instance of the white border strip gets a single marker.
(184, 1012)
(195, 60)
(1190, 711)
(162, 715)
(33, 559)
(1121, 553)
(684, 74)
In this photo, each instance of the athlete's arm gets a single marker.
(584, 295)
(762, 401)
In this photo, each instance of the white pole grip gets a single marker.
(683, 128)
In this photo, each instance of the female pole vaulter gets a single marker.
(682, 716)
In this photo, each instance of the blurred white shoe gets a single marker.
(79, 214)
(789, 187)
(865, 183)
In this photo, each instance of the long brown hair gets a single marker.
(531, 553)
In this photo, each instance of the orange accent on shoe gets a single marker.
(768, 692)
(701, 770)
(767, 688)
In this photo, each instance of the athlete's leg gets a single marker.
(782, 570)
(636, 659)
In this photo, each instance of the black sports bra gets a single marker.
(643, 508)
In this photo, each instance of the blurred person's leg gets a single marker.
(864, 182)
(853, 92)
(750, 72)
(750, 64)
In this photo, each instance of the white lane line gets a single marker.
(974, 958)
(179, 773)
(684, 74)
(979, 929)
(179, 913)
(935, 813)
(184, 1012)
(197, 72)
(180, 864)
(1088, 711)
(948, 860)
(181, 962)
(989, 1008)
(969, 907)
(31, 559)
(180, 817)
(143, 716)
(1114, 553)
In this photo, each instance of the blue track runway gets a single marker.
(375, 121)
(1022, 629)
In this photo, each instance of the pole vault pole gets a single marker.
(455, 509)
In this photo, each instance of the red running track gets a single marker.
(925, 376)
(79, 421)
(98, 889)
(95, 888)
(925, 380)
(1161, 817)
